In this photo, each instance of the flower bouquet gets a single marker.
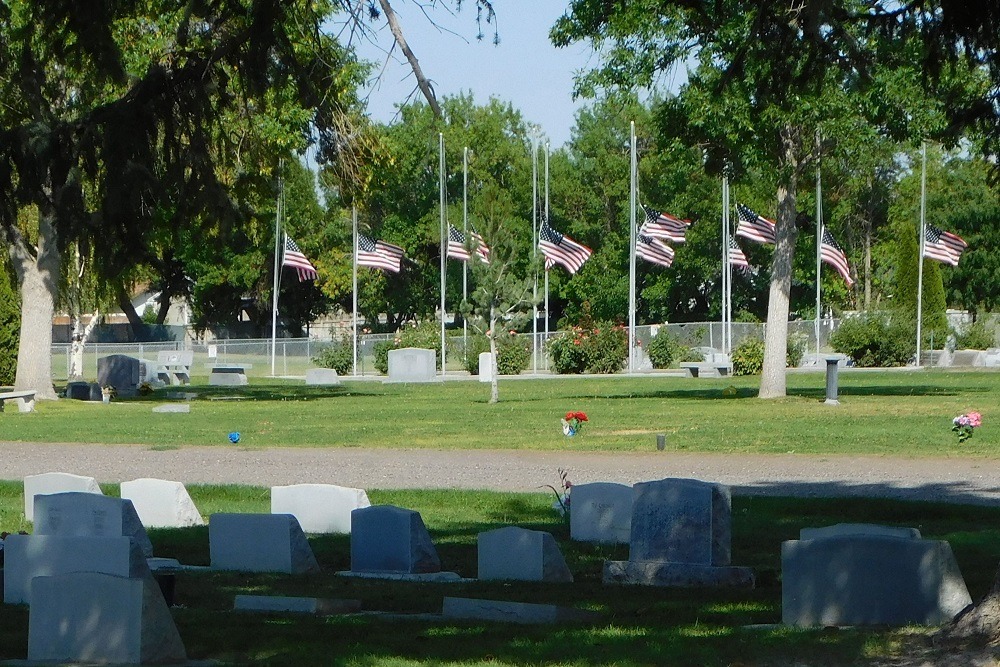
(963, 425)
(572, 422)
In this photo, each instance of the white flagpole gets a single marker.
(819, 237)
(444, 244)
(546, 339)
(920, 246)
(354, 283)
(534, 254)
(465, 231)
(726, 275)
(633, 186)
(277, 266)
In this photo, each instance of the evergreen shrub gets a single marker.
(876, 339)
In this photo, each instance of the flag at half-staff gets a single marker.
(481, 249)
(653, 250)
(379, 254)
(561, 249)
(754, 227)
(663, 226)
(293, 256)
(457, 248)
(942, 246)
(737, 257)
(833, 254)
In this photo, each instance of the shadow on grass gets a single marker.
(266, 392)
(715, 392)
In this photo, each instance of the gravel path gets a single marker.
(951, 480)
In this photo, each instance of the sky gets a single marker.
(523, 69)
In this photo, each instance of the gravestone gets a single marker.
(78, 391)
(870, 580)
(228, 376)
(680, 536)
(96, 393)
(860, 529)
(385, 538)
(30, 556)
(319, 508)
(521, 555)
(89, 515)
(100, 618)
(173, 408)
(412, 364)
(119, 371)
(967, 358)
(259, 543)
(295, 605)
(161, 503)
(524, 613)
(485, 367)
(55, 482)
(991, 357)
(601, 512)
(322, 377)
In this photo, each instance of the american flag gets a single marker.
(482, 250)
(561, 249)
(456, 245)
(737, 256)
(834, 255)
(292, 256)
(754, 227)
(654, 250)
(378, 254)
(943, 246)
(662, 226)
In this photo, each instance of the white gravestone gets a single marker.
(89, 515)
(259, 543)
(485, 367)
(99, 618)
(319, 508)
(385, 538)
(861, 529)
(322, 377)
(601, 512)
(55, 482)
(161, 503)
(521, 555)
(30, 556)
(412, 364)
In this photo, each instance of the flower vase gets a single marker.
(106, 398)
(568, 429)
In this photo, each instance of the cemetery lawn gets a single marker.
(638, 626)
(901, 412)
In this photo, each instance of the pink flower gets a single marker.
(975, 419)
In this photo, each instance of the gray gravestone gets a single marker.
(96, 393)
(89, 515)
(319, 508)
(412, 364)
(54, 482)
(30, 556)
(485, 367)
(173, 408)
(524, 613)
(295, 605)
(844, 529)
(99, 618)
(601, 512)
(681, 521)
(228, 376)
(991, 357)
(119, 371)
(322, 377)
(870, 580)
(521, 555)
(968, 358)
(79, 391)
(385, 538)
(161, 503)
(259, 543)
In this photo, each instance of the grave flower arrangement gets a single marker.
(562, 494)
(573, 422)
(963, 425)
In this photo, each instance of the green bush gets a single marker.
(10, 325)
(601, 347)
(513, 353)
(976, 336)
(339, 356)
(796, 349)
(666, 349)
(381, 351)
(748, 357)
(426, 335)
(475, 346)
(876, 339)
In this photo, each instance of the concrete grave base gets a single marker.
(295, 605)
(427, 577)
(515, 612)
(679, 575)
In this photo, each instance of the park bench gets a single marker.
(705, 369)
(174, 366)
(25, 400)
(228, 375)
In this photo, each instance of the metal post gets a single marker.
(831, 381)
(444, 246)
(534, 254)
(819, 237)
(633, 186)
(465, 265)
(920, 256)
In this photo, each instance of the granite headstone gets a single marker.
(55, 482)
(522, 555)
(319, 508)
(385, 538)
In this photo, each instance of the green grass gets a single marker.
(889, 412)
(638, 626)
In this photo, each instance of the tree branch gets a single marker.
(422, 82)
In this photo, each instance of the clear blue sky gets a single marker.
(524, 69)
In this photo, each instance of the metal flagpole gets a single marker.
(726, 275)
(354, 283)
(277, 267)
(465, 231)
(920, 256)
(545, 340)
(444, 243)
(633, 186)
(534, 254)
(819, 237)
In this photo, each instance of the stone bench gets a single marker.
(25, 400)
(228, 375)
(174, 366)
(705, 369)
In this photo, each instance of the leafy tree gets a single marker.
(10, 324)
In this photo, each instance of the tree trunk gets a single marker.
(38, 274)
(80, 338)
(422, 82)
(140, 332)
(772, 381)
(494, 382)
